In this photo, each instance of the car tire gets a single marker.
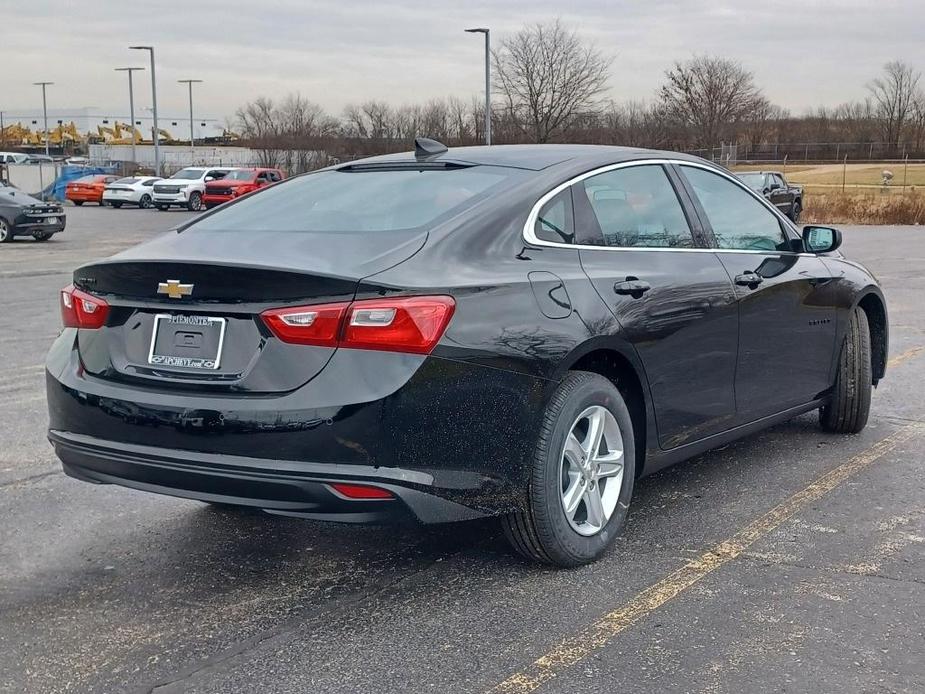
(145, 202)
(163, 208)
(545, 531)
(795, 209)
(6, 231)
(78, 202)
(42, 235)
(116, 205)
(849, 407)
(195, 202)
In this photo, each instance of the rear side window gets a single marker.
(554, 221)
(739, 220)
(362, 200)
(636, 207)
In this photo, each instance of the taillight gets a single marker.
(82, 310)
(307, 325)
(409, 324)
(360, 491)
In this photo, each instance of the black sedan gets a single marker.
(23, 215)
(442, 335)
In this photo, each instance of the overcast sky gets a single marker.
(337, 52)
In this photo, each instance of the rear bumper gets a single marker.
(451, 440)
(84, 197)
(128, 199)
(278, 486)
(29, 228)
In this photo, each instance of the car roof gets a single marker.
(532, 157)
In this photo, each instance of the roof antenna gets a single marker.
(425, 147)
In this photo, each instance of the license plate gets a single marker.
(187, 342)
(51, 220)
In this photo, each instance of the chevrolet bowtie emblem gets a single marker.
(174, 289)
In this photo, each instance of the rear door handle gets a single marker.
(749, 279)
(632, 286)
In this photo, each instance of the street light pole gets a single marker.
(44, 112)
(192, 139)
(156, 133)
(131, 105)
(487, 32)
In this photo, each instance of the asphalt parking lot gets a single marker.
(790, 561)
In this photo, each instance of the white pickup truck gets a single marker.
(185, 188)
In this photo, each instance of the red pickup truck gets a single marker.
(237, 183)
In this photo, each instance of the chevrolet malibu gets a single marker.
(442, 335)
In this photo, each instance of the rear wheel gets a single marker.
(6, 231)
(847, 411)
(145, 202)
(795, 209)
(581, 478)
(117, 205)
(195, 202)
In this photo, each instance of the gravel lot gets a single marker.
(790, 561)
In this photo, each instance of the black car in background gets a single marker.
(772, 185)
(511, 331)
(23, 215)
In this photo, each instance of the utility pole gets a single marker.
(487, 32)
(44, 112)
(192, 139)
(156, 131)
(131, 106)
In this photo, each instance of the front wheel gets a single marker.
(6, 231)
(195, 202)
(849, 407)
(581, 477)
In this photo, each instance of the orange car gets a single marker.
(88, 189)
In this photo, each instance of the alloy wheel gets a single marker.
(591, 470)
(145, 202)
(5, 234)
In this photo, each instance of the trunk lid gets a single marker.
(222, 281)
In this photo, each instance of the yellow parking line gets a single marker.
(579, 646)
(901, 357)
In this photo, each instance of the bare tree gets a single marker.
(711, 97)
(547, 76)
(894, 93)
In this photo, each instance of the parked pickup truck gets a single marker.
(772, 185)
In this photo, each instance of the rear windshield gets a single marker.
(362, 200)
(127, 181)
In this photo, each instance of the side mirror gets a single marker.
(209, 178)
(821, 239)
(775, 186)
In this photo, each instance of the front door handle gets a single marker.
(632, 286)
(749, 279)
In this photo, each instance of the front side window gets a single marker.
(554, 222)
(738, 219)
(362, 200)
(637, 207)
